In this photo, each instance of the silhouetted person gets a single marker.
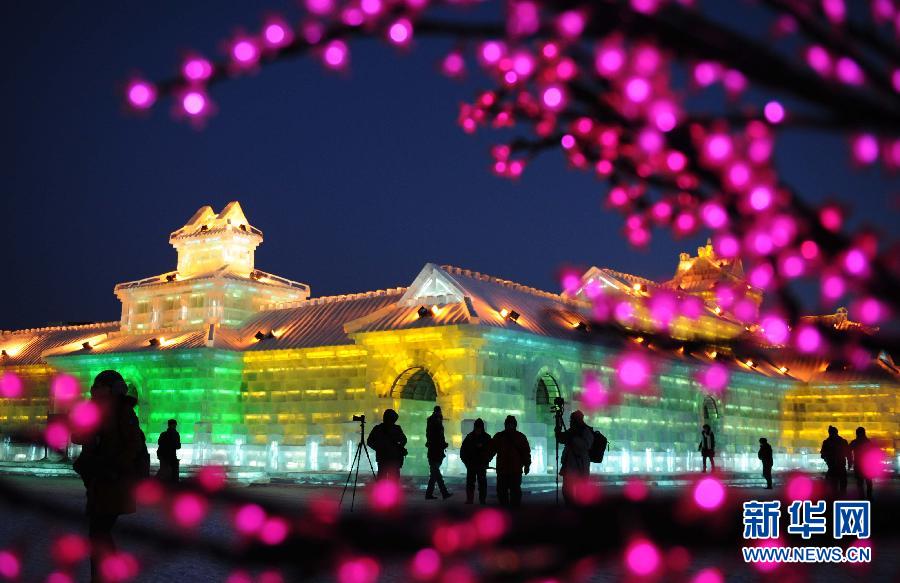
(858, 448)
(168, 444)
(113, 458)
(765, 456)
(835, 451)
(513, 457)
(707, 447)
(389, 443)
(435, 444)
(475, 454)
(575, 463)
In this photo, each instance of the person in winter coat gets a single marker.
(835, 451)
(389, 443)
(113, 458)
(474, 453)
(575, 463)
(513, 458)
(707, 447)
(435, 444)
(169, 443)
(765, 456)
(858, 448)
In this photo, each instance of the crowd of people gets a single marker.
(114, 458)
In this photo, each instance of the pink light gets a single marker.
(65, 388)
(662, 309)
(709, 575)
(761, 276)
(59, 577)
(645, 6)
(426, 564)
(453, 65)
(277, 34)
(685, 223)
(336, 54)
(568, 141)
(725, 296)
(792, 266)
(808, 339)
(734, 81)
(835, 10)
(646, 60)
(118, 567)
(401, 32)
(855, 262)
(745, 310)
(662, 211)
(637, 89)
(189, 509)
(148, 492)
(594, 395)
(642, 557)
(197, 69)
(895, 80)
(70, 549)
(274, 531)
(767, 566)
(833, 287)
(523, 63)
(523, 18)
(760, 242)
(865, 149)
(57, 435)
(141, 94)
(633, 371)
(371, 7)
(194, 103)
(809, 250)
(714, 215)
(709, 493)
(212, 478)
(239, 577)
(570, 23)
(9, 565)
(819, 60)
(783, 230)
(10, 386)
(775, 329)
(490, 524)
(691, 307)
(715, 378)
(727, 246)
(676, 161)
(706, 73)
(849, 72)
(831, 218)
(870, 311)
(664, 116)
(553, 97)
(570, 282)
(358, 570)
(635, 489)
(244, 52)
(650, 141)
(492, 52)
(320, 7)
(774, 112)
(872, 463)
(85, 416)
(385, 494)
(623, 312)
(799, 487)
(718, 147)
(738, 175)
(609, 61)
(249, 518)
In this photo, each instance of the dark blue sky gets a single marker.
(356, 180)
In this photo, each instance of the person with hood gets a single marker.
(435, 444)
(474, 453)
(169, 443)
(389, 443)
(575, 462)
(513, 458)
(835, 451)
(113, 458)
(765, 456)
(707, 447)
(858, 448)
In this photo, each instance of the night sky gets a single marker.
(357, 180)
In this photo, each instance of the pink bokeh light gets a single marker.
(401, 32)
(775, 329)
(709, 494)
(11, 386)
(274, 531)
(277, 34)
(873, 463)
(808, 339)
(633, 371)
(709, 575)
(148, 492)
(189, 509)
(141, 94)
(715, 378)
(553, 97)
(118, 567)
(642, 558)
(65, 388)
(636, 489)
(70, 548)
(426, 564)
(195, 103)
(336, 55)
(799, 487)
(385, 494)
(594, 395)
(85, 416)
(57, 435)
(245, 52)
(10, 566)
(249, 519)
(774, 112)
(358, 570)
(212, 478)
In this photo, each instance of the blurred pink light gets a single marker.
(523, 63)
(661, 210)
(664, 116)
(553, 97)
(141, 94)
(118, 567)
(426, 564)
(650, 141)
(594, 395)
(833, 287)
(609, 61)
(194, 103)
(761, 276)
(453, 65)
(249, 518)
(70, 548)
(568, 141)
(623, 312)
(872, 463)
(189, 509)
(635, 489)
(745, 310)
(870, 311)
(734, 81)
(10, 386)
(335, 54)
(85, 416)
(10, 567)
(274, 531)
(809, 250)
(197, 69)
(662, 309)
(244, 52)
(819, 60)
(371, 7)
(358, 570)
(760, 242)
(774, 112)
(633, 371)
(709, 575)
(799, 487)
(706, 73)
(212, 478)
(57, 435)
(385, 494)
(492, 52)
(570, 282)
(277, 34)
(835, 10)
(637, 89)
(59, 577)
(865, 149)
(714, 215)
(831, 218)
(490, 524)
(738, 175)
(642, 557)
(65, 388)
(709, 493)
(727, 246)
(646, 60)
(685, 222)
(849, 72)
(570, 23)
(775, 329)
(808, 339)
(792, 266)
(718, 147)
(895, 80)
(764, 566)
(855, 262)
(715, 378)
(691, 307)
(676, 161)
(148, 492)
(320, 7)
(401, 32)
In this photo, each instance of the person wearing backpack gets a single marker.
(575, 463)
(112, 460)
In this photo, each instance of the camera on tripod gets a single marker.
(557, 409)
(360, 418)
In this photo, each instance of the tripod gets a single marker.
(357, 459)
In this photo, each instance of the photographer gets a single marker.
(575, 464)
(389, 443)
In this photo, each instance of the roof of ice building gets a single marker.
(173, 278)
(313, 322)
(205, 221)
(24, 347)
(468, 297)
(221, 338)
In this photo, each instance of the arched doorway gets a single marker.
(414, 383)
(709, 412)
(415, 395)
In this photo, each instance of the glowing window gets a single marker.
(547, 389)
(416, 384)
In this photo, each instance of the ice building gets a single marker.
(261, 374)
